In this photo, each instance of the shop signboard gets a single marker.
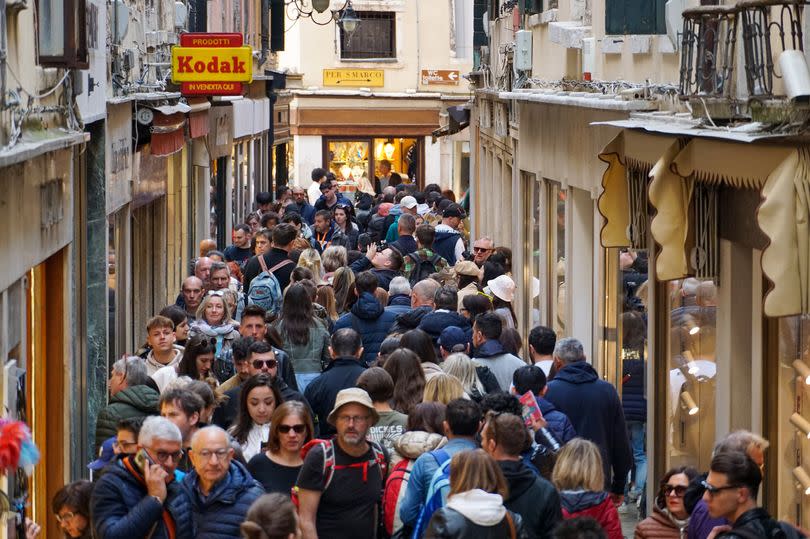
(118, 156)
(211, 64)
(357, 78)
(440, 76)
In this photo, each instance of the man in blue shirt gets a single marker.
(461, 423)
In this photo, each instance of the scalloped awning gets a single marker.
(629, 149)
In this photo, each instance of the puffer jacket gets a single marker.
(558, 423)
(222, 512)
(132, 402)
(661, 525)
(596, 505)
(399, 304)
(413, 443)
(634, 403)
(121, 509)
(475, 514)
(368, 318)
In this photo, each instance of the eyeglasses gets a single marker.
(122, 446)
(220, 454)
(285, 429)
(270, 363)
(353, 418)
(163, 456)
(65, 516)
(712, 490)
(679, 490)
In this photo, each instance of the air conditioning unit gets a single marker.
(523, 50)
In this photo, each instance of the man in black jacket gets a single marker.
(731, 493)
(342, 373)
(283, 236)
(595, 411)
(385, 264)
(504, 437)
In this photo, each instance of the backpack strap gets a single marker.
(278, 266)
(328, 463)
(511, 522)
(413, 257)
(262, 263)
(435, 259)
(379, 458)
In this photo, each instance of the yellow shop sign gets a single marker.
(371, 78)
(215, 64)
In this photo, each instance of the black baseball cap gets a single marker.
(454, 210)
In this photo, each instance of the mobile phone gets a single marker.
(142, 458)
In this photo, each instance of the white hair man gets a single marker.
(399, 295)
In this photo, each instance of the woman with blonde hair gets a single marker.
(213, 321)
(325, 297)
(579, 477)
(475, 503)
(343, 284)
(312, 260)
(334, 257)
(465, 370)
(443, 388)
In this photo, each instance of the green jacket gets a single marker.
(309, 357)
(136, 401)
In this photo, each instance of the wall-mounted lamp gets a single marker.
(689, 403)
(345, 17)
(803, 370)
(690, 362)
(803, 479)
(801, 424)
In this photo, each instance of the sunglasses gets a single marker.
(481, 249)
(285, 429)
(679, 490)
(712, 490)
(271, 363)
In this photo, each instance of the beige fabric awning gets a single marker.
(629, 149)
(670, 195)
(784, 216)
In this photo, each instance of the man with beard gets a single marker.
(339, 500)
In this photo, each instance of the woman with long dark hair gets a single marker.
(196, 363)
(277, 468)
(257, 402)
(304, 336)
(669, 520)
(409, 379)
(420, 343)
(346, 229)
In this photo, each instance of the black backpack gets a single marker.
(424, 268)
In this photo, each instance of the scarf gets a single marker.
(168, 520)
(215, 332)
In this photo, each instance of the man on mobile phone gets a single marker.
(141, 495)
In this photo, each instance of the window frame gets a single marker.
(75, 44)
(624, 17)
(391, 18)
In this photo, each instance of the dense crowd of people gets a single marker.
(352, 369)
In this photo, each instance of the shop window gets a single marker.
(692, 320)
(376, 38)
(624, 17)
(557, 198)
(62, 33)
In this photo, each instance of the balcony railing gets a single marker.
(769, 27)
(707, 53)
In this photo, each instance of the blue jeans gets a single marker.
(303, 379)
(637, 431)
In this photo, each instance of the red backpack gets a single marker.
(329, 465)
(393, 493)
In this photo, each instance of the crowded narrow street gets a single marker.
(404, 269)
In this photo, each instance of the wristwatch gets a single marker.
(158, 499)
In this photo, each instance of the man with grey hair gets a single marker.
(421, 304)
(141, 495)
(482, 248)
(190, 297)
(202, 269)
(133, 394)
(221, 489)
(595, 411)
(399, 295)
(219, 276)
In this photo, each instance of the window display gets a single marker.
(692, 314)
(349, 160)
(367, 164)
(557, 202)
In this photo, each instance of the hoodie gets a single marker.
(595, 411)
(370, 319)
(434, 323)
(411, 319)
(502, 364)
(596, 505)
(558, 423)
(533, 498)
(475, 514)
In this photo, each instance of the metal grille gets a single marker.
(768, 24)
(637, 191)
(375, 37)
(705, 255)
(707, 58)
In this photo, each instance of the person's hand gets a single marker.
(155, 477)
(371, 251)
(539, 423)
(617, 499)
(32, 529)
(717, 530)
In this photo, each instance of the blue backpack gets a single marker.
(436, 494)
(265, 290)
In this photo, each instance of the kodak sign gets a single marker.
(211, 64)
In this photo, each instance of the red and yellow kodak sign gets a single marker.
(212, 64)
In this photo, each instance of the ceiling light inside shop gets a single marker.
(804, 480)
(689, 403)
(800, 423)
(803, 370)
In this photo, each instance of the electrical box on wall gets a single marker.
(523, 50)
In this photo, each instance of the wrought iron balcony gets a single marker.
(769, 27)
(707, 57)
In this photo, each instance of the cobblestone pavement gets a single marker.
(629, 520)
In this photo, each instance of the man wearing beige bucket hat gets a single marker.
(354, 469)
